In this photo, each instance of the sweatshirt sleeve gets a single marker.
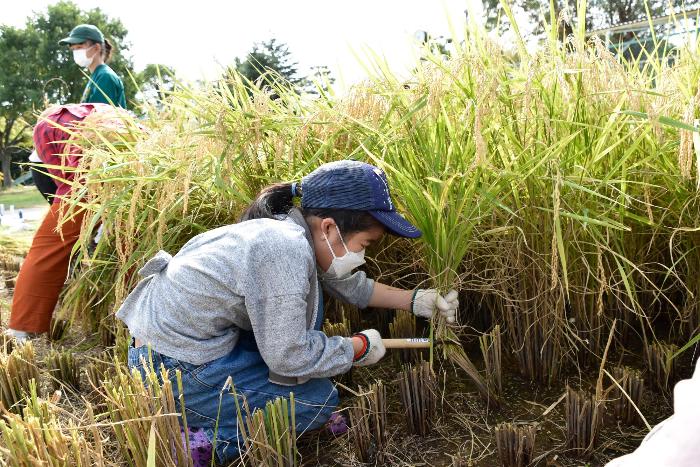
(355, 289)
(277, 286)
(288, 348)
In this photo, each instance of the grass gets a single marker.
(22, 197)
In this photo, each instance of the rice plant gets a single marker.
(269, 434)
(137, 407)
(63, 369)
(39, 437)
(368, 417)
(419, 394)
(515, 444)
(18, 371)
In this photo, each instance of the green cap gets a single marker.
(82, 33)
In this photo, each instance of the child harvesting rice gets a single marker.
(245, 301)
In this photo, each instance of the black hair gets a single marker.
(106, 49)
(277, 200)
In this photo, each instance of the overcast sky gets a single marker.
(198, 37)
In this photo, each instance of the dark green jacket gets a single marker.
(104, 86)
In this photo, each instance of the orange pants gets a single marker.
(43, 273)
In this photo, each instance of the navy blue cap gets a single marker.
(355, 185)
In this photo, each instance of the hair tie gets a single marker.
(294, 190)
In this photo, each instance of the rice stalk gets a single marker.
(18, 371)
(515, 444)
(661, 365)
(404, 326)
(39, 437)
(63, 369)
(136, 407)
(632, 383)
(583, 420)
(368, 429)
(269, 433)
(419, 393)
(491, 350)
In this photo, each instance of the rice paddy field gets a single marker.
(557, 191)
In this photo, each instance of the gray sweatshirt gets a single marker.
(259, 275)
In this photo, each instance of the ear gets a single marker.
(327, 226)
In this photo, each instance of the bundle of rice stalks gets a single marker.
(337, 329)
(491, 350)
(17, 371)
(98, 369)
(627, 398)
(9, 263)
(137, 408)
(419, 394)
(269, 435)
(63, 369)
(515, 444)
(40, 438)
(368, 429)
(58, 329)
(583, 418)
(661, 365)
(404, 326)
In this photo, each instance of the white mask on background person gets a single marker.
(81, 59)
(342, 266)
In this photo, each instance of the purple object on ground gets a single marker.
(200, 447)
(337, 424)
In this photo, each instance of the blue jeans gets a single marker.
(314, 401)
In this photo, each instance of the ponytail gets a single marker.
(278, 200)
(273, 201)
(107, 49)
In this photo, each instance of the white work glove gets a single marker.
(373, 350)
(426, 301)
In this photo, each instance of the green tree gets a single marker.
(267, 62)
(36, 71)
(600, 14)
(155, 82)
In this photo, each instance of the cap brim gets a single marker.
(396, 224)
(71, 41)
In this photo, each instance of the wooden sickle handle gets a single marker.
(408, 343)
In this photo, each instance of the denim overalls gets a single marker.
(314, 401)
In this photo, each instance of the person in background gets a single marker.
(57, 138)
(92, 50)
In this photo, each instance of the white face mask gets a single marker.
(342, 266)
(81, 59)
